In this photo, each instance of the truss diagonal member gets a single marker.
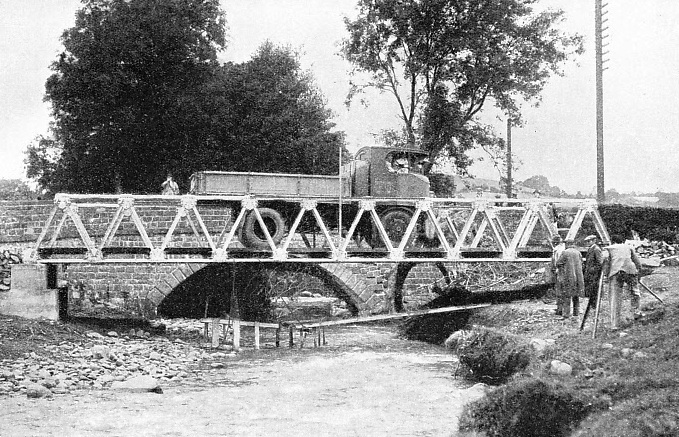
(600, 226)
(383, 233)
(421, 206)
(57, 230)
(439, 230)
(445, 215)
(324, 229)
(522, 234)
(188, 205)
(496, 227)
(465, 230)
(203, 228)
(171, 229)
(352, 228)
(479, 232)
(260, 220)
(234, 227)
(546, 222)
(140, 227)
(575, 226)
(71, 209)
(112, 227)
(43, 233)
(293, 228)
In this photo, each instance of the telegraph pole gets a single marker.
(509, 158)
(599, 30)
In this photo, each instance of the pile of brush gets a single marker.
(7, 258)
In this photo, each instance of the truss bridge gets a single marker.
(226, 229)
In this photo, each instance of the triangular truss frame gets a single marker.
(220, 244)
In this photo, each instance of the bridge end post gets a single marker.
(33, 293)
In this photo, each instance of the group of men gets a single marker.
(618, 263)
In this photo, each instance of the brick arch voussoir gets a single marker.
(350, 285)
(170, 281)
(353, 286)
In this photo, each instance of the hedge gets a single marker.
(655, 224)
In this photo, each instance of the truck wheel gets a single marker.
(252, 235)
(395, 222)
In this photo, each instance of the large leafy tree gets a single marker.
(443, 60)
(275, 119)
(126, 92)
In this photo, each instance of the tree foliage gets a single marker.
(124, 91)
(138, 93)
(443, 60)
(541, 184)
(16, 189)
(270, 106)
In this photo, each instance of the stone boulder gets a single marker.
(138, 384)
(37, 391)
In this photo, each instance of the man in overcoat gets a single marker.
(594, 261)
(570, 279)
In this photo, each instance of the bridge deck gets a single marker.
(173, 229)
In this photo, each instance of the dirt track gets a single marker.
(365, 383)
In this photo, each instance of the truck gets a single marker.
(388, 174)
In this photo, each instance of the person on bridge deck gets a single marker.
(594, 261)
(570, 281)
(621, 266)
(169, 187)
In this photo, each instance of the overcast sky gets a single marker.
(558, 140)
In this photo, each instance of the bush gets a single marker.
(657, 224)
(492, 356)
(525, 408)
(652, 414)
(434, 328)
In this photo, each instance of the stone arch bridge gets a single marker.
(133, 251)
(140, 288)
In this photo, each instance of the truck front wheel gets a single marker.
(252, 235)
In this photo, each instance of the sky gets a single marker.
(558, 139)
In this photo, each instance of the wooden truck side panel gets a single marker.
(266, 184)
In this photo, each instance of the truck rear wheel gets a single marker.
(252, 235)
(395, 222)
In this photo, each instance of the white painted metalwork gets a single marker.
(170, 229)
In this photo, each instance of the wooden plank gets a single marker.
(215, 333)
(236, 335)
(389, 316)
(244, 323)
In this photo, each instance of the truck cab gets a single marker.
(385, 172)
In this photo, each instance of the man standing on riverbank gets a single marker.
(570, 280)
(593, 264)
(622, 266)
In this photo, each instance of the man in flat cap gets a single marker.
(594, 261)
(570, 283)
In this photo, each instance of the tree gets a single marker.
(16, 189)
(126, 91)
(539, 183)
(270, 117)
(443, 60)
(42, 157)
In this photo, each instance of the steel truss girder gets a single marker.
(460, 230)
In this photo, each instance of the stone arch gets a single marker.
(348, 284)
